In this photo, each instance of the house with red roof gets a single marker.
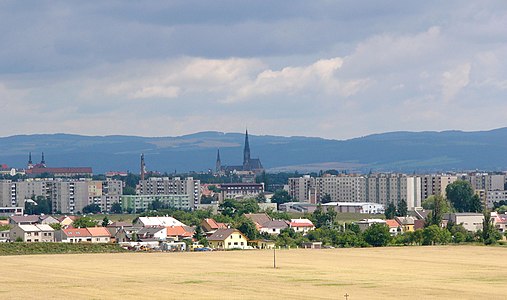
(209, 226)
(301, 225)
(83, 235)
(178, 233)
(394, 227)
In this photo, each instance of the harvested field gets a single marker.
(450, 272)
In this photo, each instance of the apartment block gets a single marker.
(172, 186)
(66, 195)
(375, 188)
(140, 203)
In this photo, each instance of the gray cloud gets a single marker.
(336, 69)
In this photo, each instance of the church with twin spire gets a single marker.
(250, 165)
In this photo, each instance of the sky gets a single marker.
(332, 69)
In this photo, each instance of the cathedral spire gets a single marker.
(218, 166)
(30, 163)
(246, 151)
(43, 161)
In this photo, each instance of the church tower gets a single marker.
(43, 161)
(218, 165)
(246, 153)
(30, 163)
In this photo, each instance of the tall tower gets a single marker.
(143, 169)
(30, 163)
(218, 165)
(246, 152)
(43, 161)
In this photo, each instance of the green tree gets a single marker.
(417, 237)
(38, 205)
(319, 217)
(84, 222)
(214, 189)
(390, 211)
(325, 199)
(261, 198)
(56, 226)
(91, 209)
(263, 178)
(248, 228)
(280, 197)
(377, 235)
(431, 235)
(105, 221)
(128, 190)
(490, 234)
(402, 209)
(235, 208)
(462, 197)
(116, 208)
(439, 206)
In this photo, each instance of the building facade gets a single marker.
(172, 186)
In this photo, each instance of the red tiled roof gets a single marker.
(301, 224)
(178, 231)
(392, 223)
(98, 231)
(67, 170)
(76, 232)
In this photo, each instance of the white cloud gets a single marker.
(455, 80)
(318, 78)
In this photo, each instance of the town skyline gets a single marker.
(329, 69)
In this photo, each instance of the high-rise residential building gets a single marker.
(375, 188)
(435, 184)
(172, 186)
(485, 181)
(302, 189)
(66, 195)
(340, 188)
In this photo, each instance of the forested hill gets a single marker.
(394, 151)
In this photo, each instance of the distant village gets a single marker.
(239, 207)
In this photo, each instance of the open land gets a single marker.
(446, 272)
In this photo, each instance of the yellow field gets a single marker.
(452, 272)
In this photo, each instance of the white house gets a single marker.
(157, 222)
(274, 226)
(301, 225)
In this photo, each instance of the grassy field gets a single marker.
(450, 272)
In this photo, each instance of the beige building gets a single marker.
(172, 186)
(66, 195)
(485, 181)
(228, 239)
(33, 233)
(302, 189)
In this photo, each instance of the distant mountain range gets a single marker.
(394, 151)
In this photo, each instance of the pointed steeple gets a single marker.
(218, 166)
(43, 161)
(246, 152)
(30, 163)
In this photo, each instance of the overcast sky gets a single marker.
(334, 69)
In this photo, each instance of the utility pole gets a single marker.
(274, 257)
(346, 296)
